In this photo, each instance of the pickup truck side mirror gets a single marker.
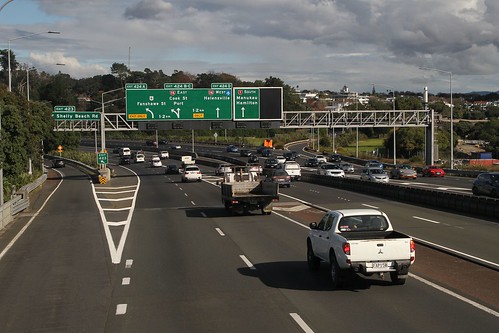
(313, 225)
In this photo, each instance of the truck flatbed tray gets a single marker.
(356, 235)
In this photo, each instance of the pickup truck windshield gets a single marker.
(363, 223)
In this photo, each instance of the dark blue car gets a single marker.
(487, 183)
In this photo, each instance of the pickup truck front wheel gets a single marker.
(396, 279)
(312, 261)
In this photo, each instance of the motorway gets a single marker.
(145, 252)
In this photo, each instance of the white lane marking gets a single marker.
(116, 188)
(427, 220)
(193, 203)
(453, 188)
(117, 192)
(121, 309)
(453, 294)
(19, 234)
(291, 220)
(203, 214)
(220, 232)
(125, 281)
(305, 202)
(186, 194)
(296, 317)
(247, 262)
(128, 263)
(115, 209)
(117, 223)
(370, 206)
(117, 199)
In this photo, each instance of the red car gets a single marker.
(433, 171)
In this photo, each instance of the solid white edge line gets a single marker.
(292, 221)
(453, 294)
(370, 206)
(220, 232)
(427, 220)
(121, 309)
(247, 262)
(296, 317)
(19, 234)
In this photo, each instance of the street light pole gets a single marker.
(8, 54)
(451, 163)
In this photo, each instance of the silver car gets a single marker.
(331, 170)
(347, 167)
(374, 175)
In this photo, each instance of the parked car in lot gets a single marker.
(223, 168)
(374, 175)
(164, 155)
(280, 177)
(347, 167)
(433, 171)
(331, 170)
(270, 163)
(171, 169)
(311, 162)
(58, 163)
(232, 149)
(156, 162)
(486, 183)
(321, 158)
(191, 173)
(403, 171)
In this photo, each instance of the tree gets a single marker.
(121, 71)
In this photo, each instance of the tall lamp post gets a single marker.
(32, 69)
(451, 164)
(26, 36)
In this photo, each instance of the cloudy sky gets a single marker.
(313, 44)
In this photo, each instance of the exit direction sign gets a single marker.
(221, 86)
(95, 116)
(102, 158)
(178, 85)
(179, 104)
(136, 86)
(246, 103)
(64, 108)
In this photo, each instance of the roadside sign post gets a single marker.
(102, 158)
(246, 104)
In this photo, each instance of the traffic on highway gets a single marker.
(148, 252)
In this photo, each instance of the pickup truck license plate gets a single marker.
(380, 264)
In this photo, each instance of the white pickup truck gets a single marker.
(361, 241)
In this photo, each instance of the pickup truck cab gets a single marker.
(360, 241)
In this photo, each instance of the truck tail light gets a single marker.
(413, 249)
(346, 248)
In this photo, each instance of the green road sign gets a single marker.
(221, 86)
(178, 85)
(95, 116)
(246, 103)
(173, 104)
(64, 108)
(136, 86)
(102, 158)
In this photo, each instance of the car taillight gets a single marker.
(413, 249)
(346, 248)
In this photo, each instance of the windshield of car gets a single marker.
(191, 168)
(376, 171)
(331, 166)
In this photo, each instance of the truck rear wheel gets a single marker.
(312, 261)
(396, 279)
(334, 271)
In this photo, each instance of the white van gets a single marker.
(292, 168)
(125, 151)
